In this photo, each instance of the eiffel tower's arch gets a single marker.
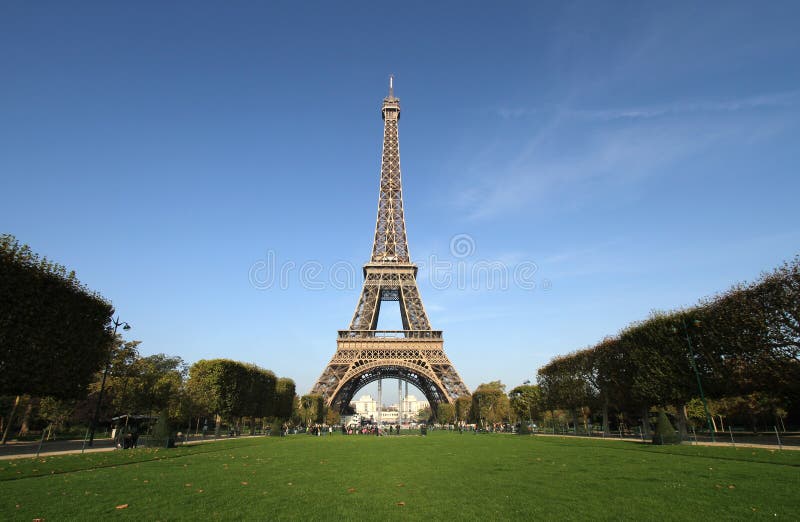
(414, 354)
(424, 380)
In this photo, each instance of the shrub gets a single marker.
(664, 432)
(162, 431)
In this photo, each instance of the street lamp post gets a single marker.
(697, 376)
(117, 324)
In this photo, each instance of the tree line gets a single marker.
(202, 397)
(56, 344)
(741, 347)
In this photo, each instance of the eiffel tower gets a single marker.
(414, 354)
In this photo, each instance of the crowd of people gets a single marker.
(319, 430)
(371, 429)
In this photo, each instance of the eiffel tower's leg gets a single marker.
(368, 308)
(411, 308)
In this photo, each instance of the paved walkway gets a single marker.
(15, 450)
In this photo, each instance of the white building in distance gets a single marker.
(367, 408)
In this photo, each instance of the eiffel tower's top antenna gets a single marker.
(390, 244)
(391, 103)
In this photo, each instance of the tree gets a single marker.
(142, 385)
(218, 386)
(122, 372)
(332, 417)
(445, 413)
(742, 346)
(490, 403)
(663, 374)
(665, 433)
(312, 409)
(611, 375)
(260, 397)
(564, 384)
(425, 414)
(463, 406)
(56, 411)
(162, 431)
(526, 402)
(157, 382)
(285, 398)
(53, 331)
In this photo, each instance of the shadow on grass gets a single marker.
(695, 452)
(111, 459)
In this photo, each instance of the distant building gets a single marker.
(367, 408)
(411, 407)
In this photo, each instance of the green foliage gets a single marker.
(312, 409)
(232, 389)
(490, 404)
(56, 411)
(425, 414)
(445, 413)
(742, 343)
(665, 432)
(53, 331)
(141, 385)
(162, 431)
(526, 402)
(284, 398)
(332, 417)
(696, 413)
(275, 427)
(563, 383)
(463, 406)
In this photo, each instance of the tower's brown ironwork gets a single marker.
(414, 354)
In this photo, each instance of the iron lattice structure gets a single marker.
(414, 354)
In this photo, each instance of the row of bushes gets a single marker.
(741, 344)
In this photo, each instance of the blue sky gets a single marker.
(640, 155)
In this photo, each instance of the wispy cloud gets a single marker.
(765, 100)
(623, 146)
(778, 99)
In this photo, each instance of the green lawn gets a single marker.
(442, 476)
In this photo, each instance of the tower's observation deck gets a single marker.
(391, 105)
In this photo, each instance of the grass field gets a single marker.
(442, 476)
